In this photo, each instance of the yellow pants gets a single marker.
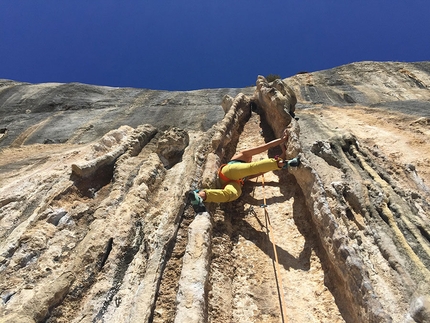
(232, 190)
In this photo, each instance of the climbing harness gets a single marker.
(277, 269)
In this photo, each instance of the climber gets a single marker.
(237, 169)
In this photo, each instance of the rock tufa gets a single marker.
(94, 224)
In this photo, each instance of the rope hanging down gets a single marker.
(277, 270)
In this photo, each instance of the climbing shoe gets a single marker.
(295, 162)
(196, 201)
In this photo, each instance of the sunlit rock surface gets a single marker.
(94, 225)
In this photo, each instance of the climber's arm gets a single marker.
(247, 154)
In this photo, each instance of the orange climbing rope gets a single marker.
(277, 270)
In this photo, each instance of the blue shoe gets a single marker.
(196, 201)
(295, 162)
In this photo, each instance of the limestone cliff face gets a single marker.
(94, 225)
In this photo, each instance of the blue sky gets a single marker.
(196, 44)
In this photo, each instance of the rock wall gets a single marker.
(94, 224)
(358, 202)
(76, 113)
